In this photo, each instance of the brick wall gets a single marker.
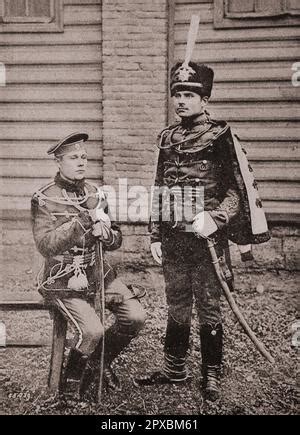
(134, 87)
(135, 42)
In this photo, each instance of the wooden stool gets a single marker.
(58, 335)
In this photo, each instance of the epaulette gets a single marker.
(44, 188)
(221, 126)
(167, 129)
(40, 195)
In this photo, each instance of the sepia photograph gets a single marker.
(149, 166)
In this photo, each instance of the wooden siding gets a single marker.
(253, 91)
(53, 88)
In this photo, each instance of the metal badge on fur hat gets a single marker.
(184, 74)
(196, 78)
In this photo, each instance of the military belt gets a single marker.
(85, 259)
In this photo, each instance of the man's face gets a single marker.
(73, 165)
(189, 103)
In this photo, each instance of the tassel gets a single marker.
(78, 282)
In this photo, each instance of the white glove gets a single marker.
(156, 252)
(204, 225)
(102, 231)
(99, 215)
(102, 225)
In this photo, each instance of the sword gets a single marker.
(257, 343)
(100, 307)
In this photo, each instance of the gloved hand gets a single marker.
(99, 215)
(101, 231)
(156, 252)
(102, 224)
(204, 225)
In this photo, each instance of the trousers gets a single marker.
(189, 277)
(130, 316)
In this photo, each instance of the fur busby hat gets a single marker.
(195, 77)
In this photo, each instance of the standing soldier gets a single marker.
(69, 215)
(199, 152)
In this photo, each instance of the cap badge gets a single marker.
(184, 73)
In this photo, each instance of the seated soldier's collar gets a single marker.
(75, 186)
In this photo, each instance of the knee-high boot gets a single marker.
(175, 350)
(114, 343)
(73, 372)
(211, 351)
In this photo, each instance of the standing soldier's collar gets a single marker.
(202, 119)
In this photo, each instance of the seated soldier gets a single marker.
(69, 216)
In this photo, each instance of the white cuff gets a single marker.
(204, 225)
(244, 248)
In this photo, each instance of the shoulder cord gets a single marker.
(204, 146)
(66, 201)
(175, 129)
(77, 205)
(177, 144)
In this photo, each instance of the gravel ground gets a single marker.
(250, 385)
